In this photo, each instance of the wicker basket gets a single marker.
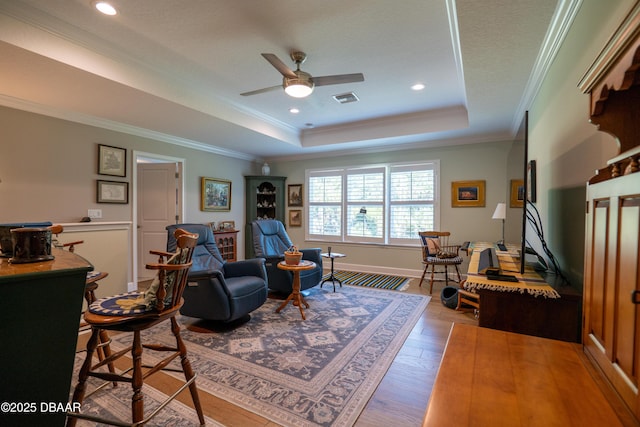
(292, 256)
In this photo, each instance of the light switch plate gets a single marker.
(95, 213)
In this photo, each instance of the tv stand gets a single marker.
(541, 306)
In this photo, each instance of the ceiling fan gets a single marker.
(299, 84)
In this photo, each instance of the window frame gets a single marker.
(386, 203)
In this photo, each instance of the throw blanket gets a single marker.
(531, 282)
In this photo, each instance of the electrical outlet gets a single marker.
(95, 213)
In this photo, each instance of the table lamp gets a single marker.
(501, 213)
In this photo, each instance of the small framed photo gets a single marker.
(295, 195)
(113, 192)
(468, 194)
(295, 218)
(516, 200)
(216, 194)
(112, 161)
(226, 225)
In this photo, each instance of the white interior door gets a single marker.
(158, 196)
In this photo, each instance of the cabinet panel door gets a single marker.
(612, 322)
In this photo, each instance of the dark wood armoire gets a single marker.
(611, 327)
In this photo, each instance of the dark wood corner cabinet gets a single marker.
(612, 248)
(265, 200)
(227, 242)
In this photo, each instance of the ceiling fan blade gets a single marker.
(279, 65)
(259, 91)
(338, 79)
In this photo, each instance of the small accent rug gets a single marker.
(370, 280)
(115, 403)
(315, 372)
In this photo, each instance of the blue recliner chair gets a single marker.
(217, 289)
(270, 240)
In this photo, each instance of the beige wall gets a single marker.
(48, 171)
(496, 163)
(567, 148)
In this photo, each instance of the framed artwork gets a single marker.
(215, 194)
(467, 194)
(295, 195)
(112, 161)
(112, 192)
(295, 218)
(517, 193)
(531, 181)
(226, 225)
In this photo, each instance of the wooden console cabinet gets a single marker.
(557, 319)
(227, 241)
(538, 304)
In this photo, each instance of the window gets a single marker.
(385, 204)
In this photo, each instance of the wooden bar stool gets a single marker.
(135, 312)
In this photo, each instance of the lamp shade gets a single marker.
(500, 212)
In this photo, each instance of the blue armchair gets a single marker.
(217, 289)
(270, 240)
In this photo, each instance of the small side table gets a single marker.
(332, 278)
(296, 296)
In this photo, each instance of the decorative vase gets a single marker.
(266, 170)
(292, 256)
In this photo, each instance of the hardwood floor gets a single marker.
(402, 396)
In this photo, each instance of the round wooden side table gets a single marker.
(296, 297)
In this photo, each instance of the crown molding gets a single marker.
(84, 119)
(562, 20)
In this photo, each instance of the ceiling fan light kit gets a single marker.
(300, 87)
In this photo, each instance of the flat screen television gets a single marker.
(524, 134)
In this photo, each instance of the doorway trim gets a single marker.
(158, 158)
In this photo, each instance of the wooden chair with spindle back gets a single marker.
(436, 251)
(135, 312)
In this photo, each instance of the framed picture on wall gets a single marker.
(112, 161)
(294, 195)
(112, 192)
(215, 194)
(517, 193)
(467, 194)
(295, 218)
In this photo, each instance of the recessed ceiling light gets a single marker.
(105, 7)
(294, 110)
(417, 86)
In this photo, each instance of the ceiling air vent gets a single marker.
(346, 98)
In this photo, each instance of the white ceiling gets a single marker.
(174, 70)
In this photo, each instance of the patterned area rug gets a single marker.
(380, 281)
(318, 372)
(115, 403)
